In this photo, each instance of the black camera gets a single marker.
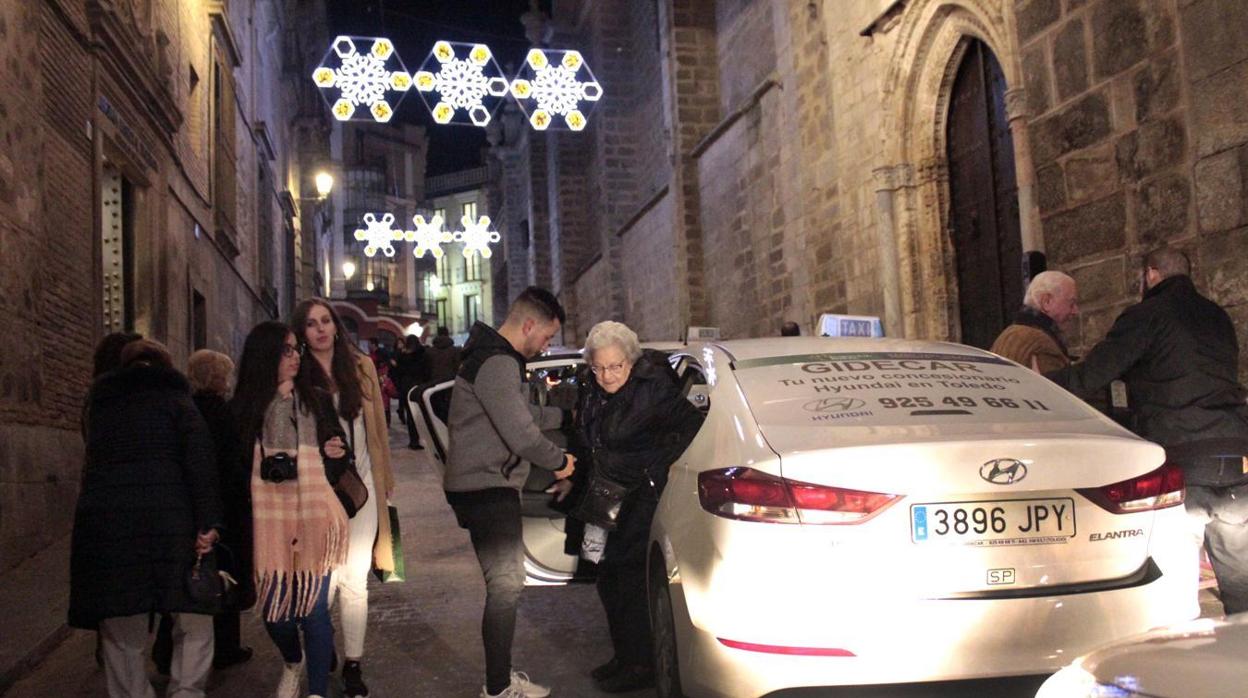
(279, 467)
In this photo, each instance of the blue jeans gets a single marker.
(318, 639)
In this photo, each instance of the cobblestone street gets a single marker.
(423, 634)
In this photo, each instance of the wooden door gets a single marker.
(983, 212)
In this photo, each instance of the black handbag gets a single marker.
(206, 586)
(602, 501)
(341, 472)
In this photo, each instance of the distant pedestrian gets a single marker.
(299, 527)
(1034, 339)
(790, 329)
(209, 373)
(634, 423)
(338, 368)
(149, 504)
(444, 358)
(411, 369)
(1179, 356)
(495, 433)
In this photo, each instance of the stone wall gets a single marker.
(800, 166)
(1139, 140)
(126, 85)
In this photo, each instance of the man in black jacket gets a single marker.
(1177, 352)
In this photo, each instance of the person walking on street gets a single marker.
(209, 374)
(337, 368)
(1035, 337)
(411, 369)
(444, 359)
(300, 528)
(1178, 354)
(149, 506)
(495, 433)
(634, 423)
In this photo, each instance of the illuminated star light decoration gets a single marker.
(362, 79)
(461, 90)
(379, 234)
(428, 236)
(477, 236)
(554, 84)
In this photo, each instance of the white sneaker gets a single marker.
(521, 687)
(292, 680)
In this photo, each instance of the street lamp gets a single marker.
(324, 183)
(348, 269)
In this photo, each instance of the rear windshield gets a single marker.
(898, 388)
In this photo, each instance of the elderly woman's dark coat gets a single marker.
(149, 486)
(234, 473)
(633, 437)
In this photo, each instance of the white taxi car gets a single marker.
(864, 511)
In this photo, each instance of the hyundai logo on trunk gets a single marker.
(1003, 471)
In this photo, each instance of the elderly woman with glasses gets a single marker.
(634, 423)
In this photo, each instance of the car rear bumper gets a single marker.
(896, 640)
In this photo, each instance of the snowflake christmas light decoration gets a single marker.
(461, 90)
(477, 236)
(379, 234)
(428, 236)
(362, 79)
(554, 84)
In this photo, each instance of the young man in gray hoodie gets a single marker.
(495, 434)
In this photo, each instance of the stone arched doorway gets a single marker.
(983, 218)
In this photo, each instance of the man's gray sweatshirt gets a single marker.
(495, 432)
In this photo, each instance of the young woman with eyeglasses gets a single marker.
(332, 364)
(300, 528)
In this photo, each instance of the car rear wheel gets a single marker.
(663, 628)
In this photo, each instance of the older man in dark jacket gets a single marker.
(1178, 354)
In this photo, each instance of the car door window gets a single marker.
(693, 384)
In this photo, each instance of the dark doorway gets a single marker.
(983, 212)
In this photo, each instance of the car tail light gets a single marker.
(785, 649)
(1159, 489)
(751, 495)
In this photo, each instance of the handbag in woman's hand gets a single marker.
(602, 502)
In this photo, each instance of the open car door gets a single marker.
(551, 381)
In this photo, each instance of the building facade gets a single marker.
(759, 161)
(460, 287)
(382, 171)
(152, 179)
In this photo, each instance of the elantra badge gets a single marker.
(1003, 471)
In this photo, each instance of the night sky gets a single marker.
(413, 26)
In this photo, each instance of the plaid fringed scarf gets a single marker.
(300, 528)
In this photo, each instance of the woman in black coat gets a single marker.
(209, 373)
(633, 423)
(149, 503)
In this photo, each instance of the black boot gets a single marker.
(629, 678)
(353, 679)
(605, 671)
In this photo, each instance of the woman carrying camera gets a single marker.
(300, 528)
(335, 366)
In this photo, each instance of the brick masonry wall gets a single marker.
(47, 266)
(51, 130)
(649, 278)
(1139, 140)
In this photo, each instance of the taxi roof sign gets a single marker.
(701, 334)
(831, 325)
